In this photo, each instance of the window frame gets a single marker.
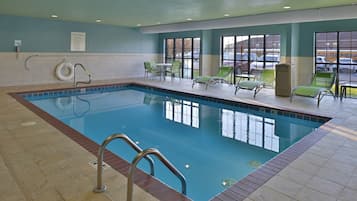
(338, 62)
(249, 60)
(183, 57)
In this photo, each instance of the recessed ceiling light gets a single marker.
(226, 15)
(54, 16)
(286, 7)
(98, 20)
(138, 25)
(188, 19)
(158, 22)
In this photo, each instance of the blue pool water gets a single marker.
(212, 144)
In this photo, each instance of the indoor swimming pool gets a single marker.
(214, 144)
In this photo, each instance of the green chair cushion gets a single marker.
(249, 84)
(203, 79)
(309, 91)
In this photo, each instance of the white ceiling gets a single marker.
(152, 12)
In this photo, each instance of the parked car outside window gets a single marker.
(270, 61)
(321, 65)
(345, 65)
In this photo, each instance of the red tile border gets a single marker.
(237, 192)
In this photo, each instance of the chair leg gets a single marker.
(173, 76)
(237, 88)
(256, 90)
(319, 99)
(291, 96)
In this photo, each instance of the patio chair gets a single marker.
(175, 70)
(149, 69)
(267, 77)
(320, 86)
(223, 73)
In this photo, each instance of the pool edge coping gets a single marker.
(238, 191)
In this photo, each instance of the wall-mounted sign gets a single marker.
(78, 41)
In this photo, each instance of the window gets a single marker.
(250, 52)
(326, 51)
(337, 52)
(186, 50)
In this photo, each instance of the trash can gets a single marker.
(283, 80)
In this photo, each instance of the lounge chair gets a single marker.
(320, 86)
(149, 69)
(223, 73)
(267, 77)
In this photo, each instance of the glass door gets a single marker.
(169, 52)
(337, 52)
(241, 55)
(196, 57)
(187, 62)
(187, 51)
(347, 65)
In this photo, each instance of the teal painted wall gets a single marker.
(295, 36)
(44, 35)
(206, 41)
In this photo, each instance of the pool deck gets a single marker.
(38, 163)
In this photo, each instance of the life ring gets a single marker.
(64, 103)
(65, 66)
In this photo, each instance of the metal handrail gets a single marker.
(75, 83)
(129, 195)
(100, 187)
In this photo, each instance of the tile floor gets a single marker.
(38, 163)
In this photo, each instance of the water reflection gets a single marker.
(248, 128)
(181, 111)
(79, 105)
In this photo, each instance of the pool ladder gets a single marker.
(75, 82)
(141, 154)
